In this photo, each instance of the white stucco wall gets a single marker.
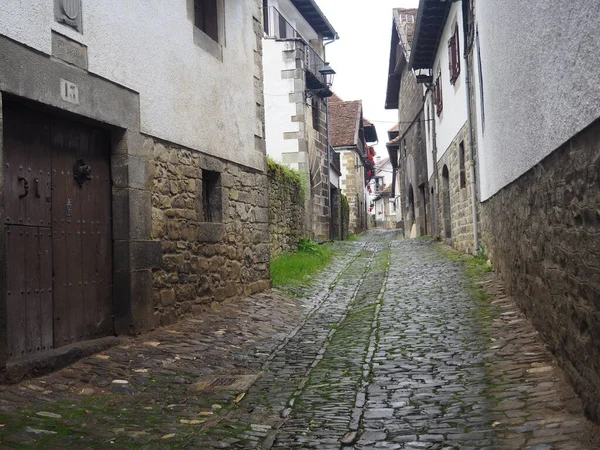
(187, 96)
(541, 82)
(278, 108)
(454, 112)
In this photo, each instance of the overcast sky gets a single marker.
(361, 56)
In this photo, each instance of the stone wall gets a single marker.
(345, 217)
(461, 211)
(310, 132)
(205, 261)
(318, 170)
(543, 235)
(416, 209)
(286, 209)
(353, 188)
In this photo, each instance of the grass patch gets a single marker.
(474, 265)
(294, 268)
(353, 237)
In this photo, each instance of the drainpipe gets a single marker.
(471, 155)
(436, 223)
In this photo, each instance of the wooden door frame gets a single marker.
(134, 253)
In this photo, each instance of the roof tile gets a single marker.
(344, 119)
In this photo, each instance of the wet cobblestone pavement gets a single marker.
(393, 347)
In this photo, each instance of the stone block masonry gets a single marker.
(543, 234)
(460, 211)
(286, 210)
(353, 189)
(205, 261)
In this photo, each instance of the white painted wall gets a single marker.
(454, 112)
(186, 95)
(278, 109)
(334, 178)
(541, 82)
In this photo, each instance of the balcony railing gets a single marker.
(314, 63)
(276, 26)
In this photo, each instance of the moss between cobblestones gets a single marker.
(475, 269)
(344, 357)
(105, 412)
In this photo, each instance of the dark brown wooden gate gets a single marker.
(57, 196)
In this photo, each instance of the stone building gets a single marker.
(297, 82)
(435, 62)
(540, 183)
(408, 150)
(132, 140)
(517, 103)
(349, 135)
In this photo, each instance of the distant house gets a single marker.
(134, 166)
(297, 83)
(349, 135)
(382, 202)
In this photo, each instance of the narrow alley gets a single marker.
(394, 346)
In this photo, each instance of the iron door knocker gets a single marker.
(25, 187)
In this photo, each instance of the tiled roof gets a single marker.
(394, 128)
(344, 120)
(335, 98)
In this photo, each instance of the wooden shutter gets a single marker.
(437, 95)
(454, 56)
(456, 53)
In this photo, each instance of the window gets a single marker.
(315, 114)
(266, 16)
(282, 27)
(437, 95)
(461, 163)
(206, 17)
(454, 56)
(211, 196)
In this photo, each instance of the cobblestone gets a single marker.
(392, 347)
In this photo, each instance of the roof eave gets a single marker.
(315, 17)
(431, 19)
(370, 134)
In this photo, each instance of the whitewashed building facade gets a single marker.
(296, 117)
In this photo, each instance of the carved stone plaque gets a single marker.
(69, 51)
(68, 12)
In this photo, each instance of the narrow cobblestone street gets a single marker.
(394, 346)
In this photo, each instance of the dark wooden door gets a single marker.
(28, 244)
(58, 237)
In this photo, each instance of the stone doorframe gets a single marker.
(31, 77)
